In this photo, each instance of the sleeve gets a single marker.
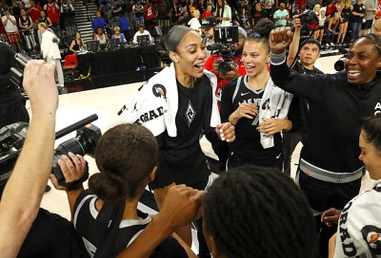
(227, 107)
(294, 114)
(5, 78)
(311, 87)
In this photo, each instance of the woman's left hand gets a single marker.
(226, 132)
(271, 126)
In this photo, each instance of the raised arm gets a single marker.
(23, 193)
(294, 46)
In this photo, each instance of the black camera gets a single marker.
(224, 37)
(17, 72)
(12, 139)
(307, 19)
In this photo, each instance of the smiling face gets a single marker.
(190, 57)
(370, 156)
(363, 60)
(255, 57)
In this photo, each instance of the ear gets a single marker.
(173, 56)
(378, 63)
(151, 175)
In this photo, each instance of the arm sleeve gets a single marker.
(294, 114)
(311, 87)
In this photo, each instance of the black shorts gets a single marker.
(367, 25)
(323, 195)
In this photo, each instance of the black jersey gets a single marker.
(247, 144)
(180, 155)
(87, 226)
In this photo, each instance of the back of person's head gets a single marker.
(310, 41)
(125, 155)
(174, 36)
(371, 131)
(258, 213)
(264, 27)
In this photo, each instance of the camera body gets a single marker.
(224, 38)
(17, 72)
(308, 18)
(12, 138)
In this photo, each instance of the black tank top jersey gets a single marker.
(139, 10)
(26, 21)
(247, 144)
(66, 8)
(88, 229)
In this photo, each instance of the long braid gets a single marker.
(259, 212)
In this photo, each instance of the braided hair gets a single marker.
(372, 37)
(259, 213)
(125, 155)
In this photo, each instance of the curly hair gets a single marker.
(259, 213)
(125, 155)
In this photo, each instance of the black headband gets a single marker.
(174, 36)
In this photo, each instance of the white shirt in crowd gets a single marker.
(9, 27)
(138, 33)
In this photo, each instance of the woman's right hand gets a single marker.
(280, 39)
(330, 217)
(246, 110)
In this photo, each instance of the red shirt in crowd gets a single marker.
(34, 12)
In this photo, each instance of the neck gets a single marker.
(259, 81)
(185, 80)
(308, 66)
(130, 210)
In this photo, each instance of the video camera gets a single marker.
(308, 18)
(12, 138)
(224, 37)
(17, 72)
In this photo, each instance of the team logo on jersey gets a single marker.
(190, 113)
(372, 235)
(159, 91)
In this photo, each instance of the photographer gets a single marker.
(237, 67)
(23, 193)
(12, 103)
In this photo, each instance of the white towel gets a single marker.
(155, 104)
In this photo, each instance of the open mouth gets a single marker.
(199, 67)
(353, 73)
(249, 68)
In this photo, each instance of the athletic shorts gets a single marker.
(13, 36)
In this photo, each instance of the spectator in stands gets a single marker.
(141, 32)
(150, 14)
(77, 45)
(13, 34)
(138, 11)
(242, 19)
(34, 11)
(101, 37)
(67, 21)
(53, 12)
(50, 51)
(208, 12)
(343, 21)
(281, 16)
(186, 80)
(370, 12)
(26, 29)
(282, 214)
(119, 35)
(126, 156)
(97, 22)
(125, 27)
(3, 34)
(45, 19)
(358, 233)
(356, 18)
(207, 26)
(163, 17)
(257, 14)
(223, 13)
(194, 23)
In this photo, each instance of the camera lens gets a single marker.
(224, 67)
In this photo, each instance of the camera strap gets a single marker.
(71, 186)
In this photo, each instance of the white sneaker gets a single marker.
(331, 44)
